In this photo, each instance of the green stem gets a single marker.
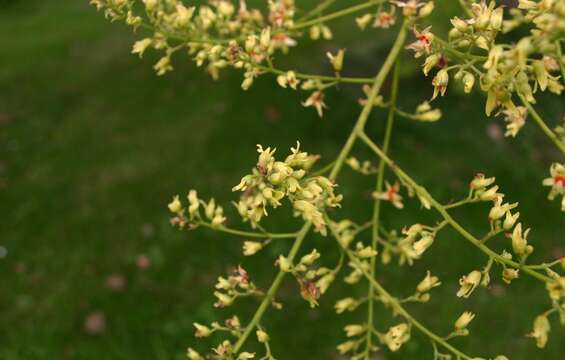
(263, 235)
(560, 60)
(351, 80)
(397, 306)
(443, 212)
(272, 290)
(543, 126)
(337, 14)
(377, 206)
(317, 10)
(375, 89)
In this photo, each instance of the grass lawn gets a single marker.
(93, 145)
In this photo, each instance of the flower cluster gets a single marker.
(313, 282)
(191, 216)
(519, 69)
(222, 34)
(271, 181)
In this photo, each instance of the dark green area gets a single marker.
(93, 145)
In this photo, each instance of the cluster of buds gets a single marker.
(225, 349)
(236, 285)
(425, 113)
(557, 183)
(385, 18)
(500, 215)
(365, 167)
(272, 180)
(417, 239)
(396, 336)
(191, 216)
(219, 33)
(346, 304)
(313, 282)
(231, 325)
(508, 69)
(382, 19)
(320, 31)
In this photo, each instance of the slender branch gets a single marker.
(352, 80)
(389, 299)
(377, 206)
(443, 212)
(375, 89)
(337, 14)
(264, 235)
(457, 53)
(559, 60)
(543, 126)
(317, 10)
(272, 290)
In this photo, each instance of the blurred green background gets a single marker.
(93, 145)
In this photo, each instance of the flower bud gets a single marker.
(281, 80)
(140, 46)
(262, 336)
(201, 330)
(310, 258)
(265, 39)
(247, 82)
(191, 354)
(223, 299)
(460, 25)
(175, 206)
(426, 9)
(541, 74)
(509, 274)
(468, 283)
(346, 347)
(490, 194)
(540, 331)
(150, 4)
(464, 320)
(354, 330)
(510, 220)
(428, 283)
(336, 60)
(348, 303)
(423, 244)
(251, 247)
(430, 62)
(428, 116)
(480, 182)
(519, 241)
(363, 21)
(324, 282)
(496, 19)
(284, 263)
(468, 82)
(315, 32)
(245, 356)
(396, 336)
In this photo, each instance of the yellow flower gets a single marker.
(175, 206)
(540, 331)
(464, 320)
(428, 283)
(469, 283)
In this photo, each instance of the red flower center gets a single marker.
(559, 179)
